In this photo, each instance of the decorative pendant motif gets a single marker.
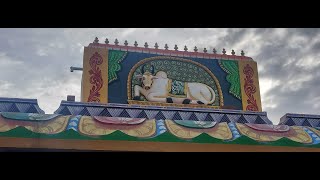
(95, 77)
(249, 88)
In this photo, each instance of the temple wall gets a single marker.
(222, 81)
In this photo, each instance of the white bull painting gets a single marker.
(159, 88)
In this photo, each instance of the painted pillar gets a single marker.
(250, 91)
(95, 75)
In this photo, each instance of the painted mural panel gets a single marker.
(168, 79)
(148, 79)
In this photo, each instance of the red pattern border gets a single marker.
(95, 78)
(170, 52)
(249, 88)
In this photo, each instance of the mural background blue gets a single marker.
(118, 88)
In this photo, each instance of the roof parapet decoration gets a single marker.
(20, 105)
(300, 120)
(161, 113)
(118, 133)
(166, 51)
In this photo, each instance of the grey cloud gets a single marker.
(310, 32)
(233, 37)
(316, 47)
(300, 101)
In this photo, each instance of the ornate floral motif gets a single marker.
(95, 77)
(301, 135)
(88, 126)
(260, 135)
(231, 67)
(315, 130)
(119, 120)
(28, 116)
(51, 127)
(220, 131)
(5, 126)
(249, 88)
(295, 133)
(114, 60)
(269, 127)
(196, 124)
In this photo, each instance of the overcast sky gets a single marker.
(34, 63)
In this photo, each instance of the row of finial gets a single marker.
(116, 42)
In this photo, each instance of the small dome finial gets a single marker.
(146, 45)
(214, 51)
(185, 49)
(175, 48)
(166, 47)
(116, 42)
(96, 40)
(156, 46)
(106, 41)
(205, 50)
(242, 53)
(195, 49)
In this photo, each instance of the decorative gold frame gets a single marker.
(130, 101)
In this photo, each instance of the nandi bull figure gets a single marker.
(159, 88)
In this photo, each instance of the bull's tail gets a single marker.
(213, 96)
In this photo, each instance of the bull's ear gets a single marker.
(138, 76)
(154, 77)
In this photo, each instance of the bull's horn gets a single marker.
(138, 76)
(142, 69)
(152, 69)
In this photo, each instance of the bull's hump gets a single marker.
(162, 74)
(160, 83)
(161, 80)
